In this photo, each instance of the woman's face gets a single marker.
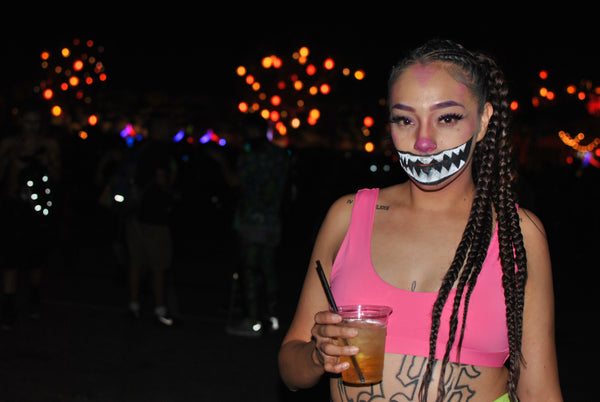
(435, 123)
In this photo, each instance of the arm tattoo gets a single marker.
(409, 376)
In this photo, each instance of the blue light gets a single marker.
(206, 137)
(222, 142)
(179, 136)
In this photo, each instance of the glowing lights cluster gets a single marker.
(585, 91)
(288, 92)
(72, 75)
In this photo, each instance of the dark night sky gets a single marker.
(182, 50)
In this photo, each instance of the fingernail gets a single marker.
(354, 350)
(345, 365)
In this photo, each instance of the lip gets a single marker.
(434, 169)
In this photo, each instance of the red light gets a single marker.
(93, 120)
(243, 107)
(543, 74)
(77, 65)
(311, 69)
(276, 100)
(329, 64)
(48, 94)
(368, 121)
(325, 89)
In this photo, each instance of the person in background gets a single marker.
(262, 176)
(29, 176)
(465, 269)
(148, 232)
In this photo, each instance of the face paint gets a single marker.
(425, 145)
(424, 73)
(434, 169)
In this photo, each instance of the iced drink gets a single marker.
(371, 323)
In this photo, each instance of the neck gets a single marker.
(452, 197)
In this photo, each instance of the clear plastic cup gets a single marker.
(371, 323)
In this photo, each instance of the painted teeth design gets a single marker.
(434, 169)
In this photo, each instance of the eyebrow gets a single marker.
(436, 106)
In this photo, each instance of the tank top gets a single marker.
(355, 281)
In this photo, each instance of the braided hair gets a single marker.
(493, 174)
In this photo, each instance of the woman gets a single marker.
(465, 270)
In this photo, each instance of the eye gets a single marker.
(450, 119)
(401, 120)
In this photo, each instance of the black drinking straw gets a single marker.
(335, 310)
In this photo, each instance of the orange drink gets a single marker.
(371, 323)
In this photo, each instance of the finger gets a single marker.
(327, 317)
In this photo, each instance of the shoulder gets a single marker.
(532, 227)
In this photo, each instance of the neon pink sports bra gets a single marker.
(355, 281)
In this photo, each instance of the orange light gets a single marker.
(304, 51)
(249, 79)
(581, 95)
(65, 52)
(311, 69)
(514, 105)
(256, 86)
(359, 75)
(314, 113)
(543, 74)
(298, 85)
(243, 107)
(311, 121)
(281, 128)
(276, 100)
(368, 121)
(83, 135)
(325, 89)
(329, 64)
(276, 62)
(295, 122)
(571, 89)
(93, 120)
(241, 71)
(267, 62)
(543, 92)
(369, 147)
(64, 86)
(48, 94)
(45, 55)
(74, 81)
(56, 111)
(265, 114)
(77, 65)
(550, 95)
(313, 90)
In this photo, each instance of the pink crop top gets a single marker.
(355, 281)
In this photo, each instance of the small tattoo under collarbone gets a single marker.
(413, 286)
(384, 207)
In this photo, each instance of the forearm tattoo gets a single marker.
(409, 378)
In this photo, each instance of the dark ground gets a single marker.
(84, 348)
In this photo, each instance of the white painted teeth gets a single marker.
(432, 169)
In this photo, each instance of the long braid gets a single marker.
(493, 173)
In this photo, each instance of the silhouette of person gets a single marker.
(262, 172)
(29, 173)
(148, 231)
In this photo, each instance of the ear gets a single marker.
(486, 115)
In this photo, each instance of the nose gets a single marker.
(425, 145)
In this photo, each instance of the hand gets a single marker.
(327, 352)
